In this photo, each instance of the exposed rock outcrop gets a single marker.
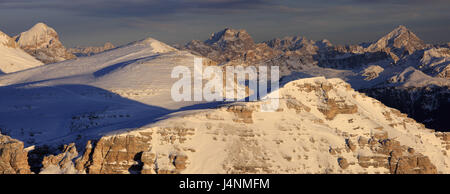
(13, 157)
(388, 153)
(134, 153)
(61, 163)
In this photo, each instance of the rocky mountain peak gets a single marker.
(42, 27)
(43, 42)
(228, 34)
(401, 29)
(239, 39)
(400, 40)
(38, 35)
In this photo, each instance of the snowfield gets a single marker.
(12, 58)
(130, 84)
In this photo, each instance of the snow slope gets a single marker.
(320, 123)
(91, 95)
(12, 58)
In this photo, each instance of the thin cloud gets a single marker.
(138, 8)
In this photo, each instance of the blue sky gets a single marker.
(93, 22)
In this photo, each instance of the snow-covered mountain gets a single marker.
(12, 58)
(321, 126)
(112, 113)
(42, 42)
(85, 98)
(126, 84)
(401, 41)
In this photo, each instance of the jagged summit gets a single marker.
(231, 39)
(400, 40)
(228, 35)
(43, 42)
(232, 45)
(401, 28)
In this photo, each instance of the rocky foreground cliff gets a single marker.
(321, 126)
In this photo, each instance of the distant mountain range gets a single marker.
(90, 50)
(110, 111)
(398, 61)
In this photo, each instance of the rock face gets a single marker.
(88, 51)
(61, 163)
(445, 137)
(387, 153)
(13, 158)
(42, 42)
(135, 153)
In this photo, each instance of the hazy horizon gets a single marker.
(92, 23)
